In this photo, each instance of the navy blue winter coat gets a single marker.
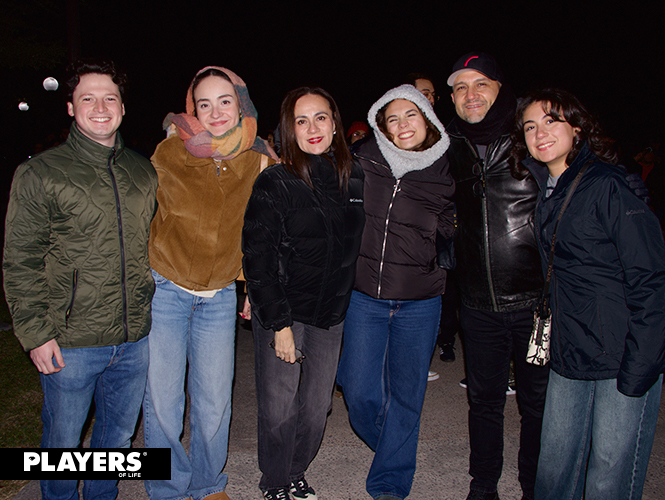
(608, 281)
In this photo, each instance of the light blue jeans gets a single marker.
(114, 376)
(595, 442)
(387, 349)
(194, 336)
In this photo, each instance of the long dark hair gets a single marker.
(432, 135)
(564, 107)
(294, 159)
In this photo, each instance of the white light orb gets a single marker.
(51, 83)
(23, 106)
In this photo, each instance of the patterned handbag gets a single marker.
(538, 352)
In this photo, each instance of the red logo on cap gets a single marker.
(467, 61)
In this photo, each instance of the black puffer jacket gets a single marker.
(398, 256)
(498, 266)
(300, 245)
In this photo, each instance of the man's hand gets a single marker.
(42, 357)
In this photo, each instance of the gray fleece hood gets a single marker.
(402, 161)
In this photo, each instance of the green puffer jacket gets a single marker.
(76, 245)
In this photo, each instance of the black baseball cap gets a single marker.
(477, 61)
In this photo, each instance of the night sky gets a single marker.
(610, 58)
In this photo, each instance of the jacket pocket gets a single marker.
(68, 311)
(599, 332)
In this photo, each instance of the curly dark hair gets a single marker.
(98, 66)
(294, 159)
(564, 107)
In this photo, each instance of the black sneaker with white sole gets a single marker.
(300, 490)
(276, 494)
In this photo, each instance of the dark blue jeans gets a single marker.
(490, 338)
(115, 377)
(388, 345)
(293, 400)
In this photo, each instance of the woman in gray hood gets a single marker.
(392, 321)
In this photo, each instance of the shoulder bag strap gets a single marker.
(544, 302)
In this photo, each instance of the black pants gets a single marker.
(450, 306)
(489, 341)
(293, 400)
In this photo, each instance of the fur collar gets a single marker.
(399, 160)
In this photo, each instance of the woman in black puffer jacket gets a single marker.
(301, 238)
(394, 313)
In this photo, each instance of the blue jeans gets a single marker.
(490, 340)
(293, 400)
(596, 442)
(114, 376)
(387, 350)
(199, 332)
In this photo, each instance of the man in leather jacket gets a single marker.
(498, 272)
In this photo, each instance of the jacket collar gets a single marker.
(369, 150)
(236, 165)
(91, 150)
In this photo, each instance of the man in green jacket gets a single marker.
(76, 273)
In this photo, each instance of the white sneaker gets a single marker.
(432, 376)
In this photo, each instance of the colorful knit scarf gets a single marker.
(202, 144)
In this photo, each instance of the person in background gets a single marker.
(607, 300)
(300, 242)
(76, 273)
(356, 133)
(206, 171)
(424, 84)
(393, 317)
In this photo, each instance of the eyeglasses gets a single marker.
(429, 94)
(478, 186)
(299, 354)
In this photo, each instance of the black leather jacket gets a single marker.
(498, 266)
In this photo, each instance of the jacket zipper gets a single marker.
(385, 237)
(486, 235)
(122, 245)
(385, 228)
(75, 282)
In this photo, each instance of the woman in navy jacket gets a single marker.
(607, 297)
(301, 239)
